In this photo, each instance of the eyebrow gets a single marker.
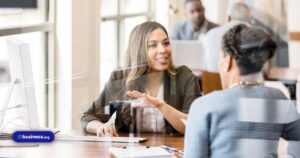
(166, 39)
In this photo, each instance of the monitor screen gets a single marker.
(188, 53)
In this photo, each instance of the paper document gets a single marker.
(139, 152)
(64, 137)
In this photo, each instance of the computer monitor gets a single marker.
(21, 95)
(189, 53)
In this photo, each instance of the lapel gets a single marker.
(169, 88)
(169, 96)
(166, 88)
(208, 26)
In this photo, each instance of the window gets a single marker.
(118, 19)
(33, 27)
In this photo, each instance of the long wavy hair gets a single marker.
(136, 59)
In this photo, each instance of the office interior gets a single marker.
(76, 44)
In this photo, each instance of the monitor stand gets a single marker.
(4, 109)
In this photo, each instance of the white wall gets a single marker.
(85, 59)
(216, 10)
(161, 11)
(63, 95)
(294, 26)
(78, 26)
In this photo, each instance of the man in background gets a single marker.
(196, 24)
(237, 13)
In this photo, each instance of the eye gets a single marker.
(166, 43)
(199, 10)
(152, 45)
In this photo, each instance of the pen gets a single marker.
(169, 148)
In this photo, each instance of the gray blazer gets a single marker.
(180, 90)
(214, 131)
(184, 30)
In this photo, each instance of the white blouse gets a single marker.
(148, 119)
(151, 119)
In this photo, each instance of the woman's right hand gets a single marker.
(101, 129)
(106, 130)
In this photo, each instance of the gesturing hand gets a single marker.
(147, 100)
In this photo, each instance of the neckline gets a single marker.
(244, 84)
(160, 92)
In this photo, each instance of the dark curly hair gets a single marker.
(250, 46)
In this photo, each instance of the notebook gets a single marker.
(139, 152)
(64, 137)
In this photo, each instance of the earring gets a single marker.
(225, 70)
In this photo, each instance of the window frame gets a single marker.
(120, 17)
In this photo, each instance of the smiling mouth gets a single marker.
(162, 60)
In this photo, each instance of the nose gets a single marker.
(161, 49)
(198, 14)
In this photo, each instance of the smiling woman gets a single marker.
(159, 50)
(165, 92)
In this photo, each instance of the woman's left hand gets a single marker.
(147, 100)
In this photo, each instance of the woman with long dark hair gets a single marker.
(165, 92)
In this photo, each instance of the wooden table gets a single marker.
(287, 76)
(72, 149)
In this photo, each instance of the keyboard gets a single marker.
(64, 137)
(5, 135)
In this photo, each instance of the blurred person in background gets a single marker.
(196, 24)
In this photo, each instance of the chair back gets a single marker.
(211, 81)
